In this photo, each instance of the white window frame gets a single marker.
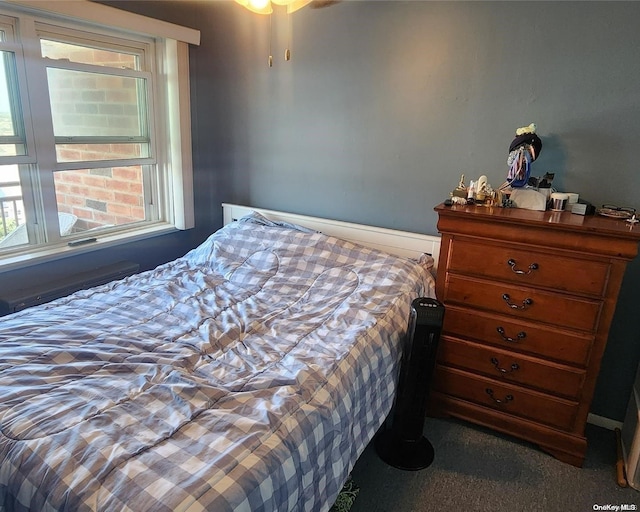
(172, 122)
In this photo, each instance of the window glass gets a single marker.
(88, 55)
(88, 199)
(97, 105)
(12, 219)
(11, 127)
(97, 152)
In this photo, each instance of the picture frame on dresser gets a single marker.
(530, 297)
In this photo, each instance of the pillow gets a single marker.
(257, 218)
(426, 261)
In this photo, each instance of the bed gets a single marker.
(248, 375)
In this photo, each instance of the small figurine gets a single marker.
(461, 189)
(546, 180)
(524, 150)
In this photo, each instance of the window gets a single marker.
(94, 132)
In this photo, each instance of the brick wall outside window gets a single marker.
(100, 198)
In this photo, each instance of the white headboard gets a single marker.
(400, 243)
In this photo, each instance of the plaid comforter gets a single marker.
(247, 375)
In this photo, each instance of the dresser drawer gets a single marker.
(524, 303)
(526, 267)
(518, 335)
(507, 398)
(510, 367)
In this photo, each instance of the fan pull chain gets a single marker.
(287, 51)
(270, 40)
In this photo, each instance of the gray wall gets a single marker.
(385, 103)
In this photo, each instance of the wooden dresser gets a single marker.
(529, 300)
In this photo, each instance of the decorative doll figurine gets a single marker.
(524, 150)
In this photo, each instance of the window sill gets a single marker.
(17, 261)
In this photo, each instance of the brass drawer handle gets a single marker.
(521, 335)
(496, 363)
(512, 263)
(506, 399)
(525, 303)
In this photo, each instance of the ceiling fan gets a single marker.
(266, 6)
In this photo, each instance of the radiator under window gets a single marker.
(17, 300)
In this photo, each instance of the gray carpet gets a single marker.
(476, 469)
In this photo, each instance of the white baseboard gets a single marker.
(601, 421)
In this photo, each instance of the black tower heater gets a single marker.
(403, 446)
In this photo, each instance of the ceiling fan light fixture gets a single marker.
(257, 6)
(292, 5)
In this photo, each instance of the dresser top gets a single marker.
(582, 234)
(563, 221)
